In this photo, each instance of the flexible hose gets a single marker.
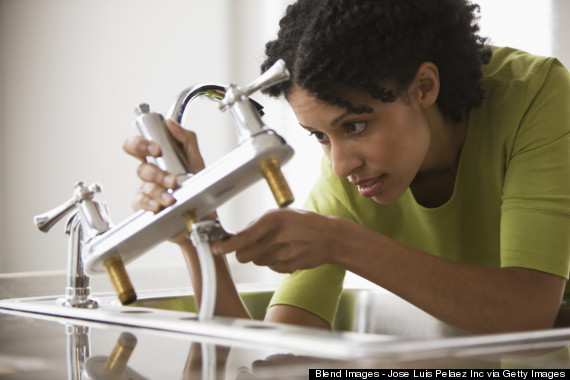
(208, 361)
(208, 271)
(201, 238)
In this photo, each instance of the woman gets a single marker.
(446, 176)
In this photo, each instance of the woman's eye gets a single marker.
(355, 128)
(320, 136)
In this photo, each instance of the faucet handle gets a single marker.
(173, 159)
(277, 73)
(81, 192)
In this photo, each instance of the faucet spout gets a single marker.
(151, 126)
(187, 96)
(77, 291)
(213, 92)
(260, 154)
(88, 219)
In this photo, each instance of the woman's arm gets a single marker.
(154, 195)
(474, 298)
(228, 301)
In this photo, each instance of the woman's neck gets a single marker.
(434, 184)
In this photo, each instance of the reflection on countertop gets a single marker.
(42, 346)
(47, 347)
(33, 349)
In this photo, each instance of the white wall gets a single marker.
(71, 72)
(561, 30)
(523, 24)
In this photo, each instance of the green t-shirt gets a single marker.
(511, 202)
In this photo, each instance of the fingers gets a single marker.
(189, 141)
(151, 173)
(154, 194)
(152, 197)
(261, 244)
(176, 130)
(140, 148)
(284, 240)
(263, 253)
(241, 241)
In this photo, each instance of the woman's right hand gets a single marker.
(153, 194)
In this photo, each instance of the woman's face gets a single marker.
(380, 152)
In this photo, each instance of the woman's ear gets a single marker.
(426, 84)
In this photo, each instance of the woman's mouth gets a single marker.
(371, 187)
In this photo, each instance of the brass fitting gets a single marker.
(117, 362)
(120, 280)
(272, 172)
(191, 218)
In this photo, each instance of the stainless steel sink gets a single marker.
(371, 324)
(371, 311)
(174, 310)
(367, 319)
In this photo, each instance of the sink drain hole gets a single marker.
(136, 311)
(260, 327)
(193, 318)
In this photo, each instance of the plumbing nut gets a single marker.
(211, 230)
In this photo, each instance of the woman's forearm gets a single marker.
(474, 298)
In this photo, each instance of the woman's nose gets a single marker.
(344, 158)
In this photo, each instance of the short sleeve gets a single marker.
(535, 212)
(316, 290)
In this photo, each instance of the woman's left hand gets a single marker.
(286, 240)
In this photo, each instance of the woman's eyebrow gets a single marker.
(333, 122)
(340, 117)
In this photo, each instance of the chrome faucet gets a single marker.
(88, 219)
(260, 154)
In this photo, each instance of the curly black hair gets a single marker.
(377, 46)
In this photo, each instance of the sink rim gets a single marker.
(304, 340)
(301, 340)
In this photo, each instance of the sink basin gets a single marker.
(371, 311)
(371, 324)
(366, 319)
(373, 329)
(174, 310)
